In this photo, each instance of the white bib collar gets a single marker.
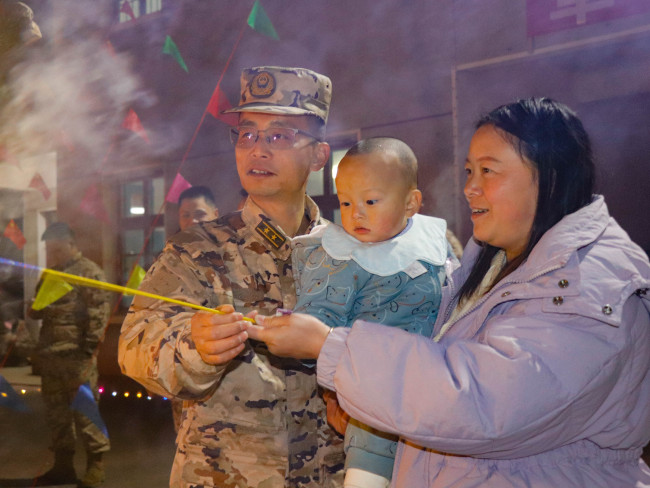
(424, 240)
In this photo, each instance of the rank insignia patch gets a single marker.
(271, 234)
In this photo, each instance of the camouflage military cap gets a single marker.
(58, 230)
(284, 91)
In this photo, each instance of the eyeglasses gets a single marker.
(275, 137)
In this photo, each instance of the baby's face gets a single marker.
(374, 197)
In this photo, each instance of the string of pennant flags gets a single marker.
(55, 285)
(92, 203)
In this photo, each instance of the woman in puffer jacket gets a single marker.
(538, 374)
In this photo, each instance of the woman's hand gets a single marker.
(219, 338)
(297, 335)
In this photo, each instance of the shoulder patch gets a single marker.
(272, 235)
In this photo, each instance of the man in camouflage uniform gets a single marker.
(250, 419)
(71, 331)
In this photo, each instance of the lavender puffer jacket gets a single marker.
(544, 383)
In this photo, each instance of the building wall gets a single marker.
(422, 71)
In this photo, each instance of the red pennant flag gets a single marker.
(179, 185)
(110, 48)
(126, 9)
(132, 123)
(92, 204)
(37, 183)
(66, 141)
(5, 155)
(218, 103)
(13, 232)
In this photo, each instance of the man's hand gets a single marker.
(219, 338)
(337, 418)
(297, 335)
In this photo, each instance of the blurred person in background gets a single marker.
(196, 204)
(72, 329)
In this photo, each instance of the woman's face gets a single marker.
(501, 190)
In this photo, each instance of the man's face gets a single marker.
(59, 251)
(194, 210)
(278, 173)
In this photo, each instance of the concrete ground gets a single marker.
(141, 433)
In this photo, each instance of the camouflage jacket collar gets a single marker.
(270, 234)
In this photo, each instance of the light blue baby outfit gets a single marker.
(397, 282)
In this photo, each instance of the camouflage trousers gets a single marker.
(61, 378)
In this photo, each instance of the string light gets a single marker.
(30, 389)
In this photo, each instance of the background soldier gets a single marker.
(72, 328)
(196, 204)
(251, 419)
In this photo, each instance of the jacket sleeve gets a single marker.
(155, 345)
(325, 289)
(529, 382)
(98, 309)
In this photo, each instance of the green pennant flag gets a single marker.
(260, 22)
(50, 291)
(136, 277)
(171, 49)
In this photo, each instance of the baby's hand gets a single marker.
(297, 335)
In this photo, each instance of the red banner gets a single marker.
(545, 16)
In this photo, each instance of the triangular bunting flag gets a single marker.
(50, 291)
(127, 9)
(92, 204)
(6, 156)
(132, 123)
(136, 277)
(37, 183)
(171, 49)
(13, 232)
(218, 103)
(110, 48)
(260, 22)
(84, 403)
(9, 398)
(64, 139)
(179, 185)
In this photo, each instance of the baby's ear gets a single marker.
(413, 202)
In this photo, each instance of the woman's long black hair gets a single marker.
(548, 135)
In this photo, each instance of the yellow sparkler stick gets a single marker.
(80, 280)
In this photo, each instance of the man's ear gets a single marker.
(413, 202)
(216, 213)
(321, 156)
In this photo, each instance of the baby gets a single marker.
(386, 264)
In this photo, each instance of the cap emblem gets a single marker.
(263, 85)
